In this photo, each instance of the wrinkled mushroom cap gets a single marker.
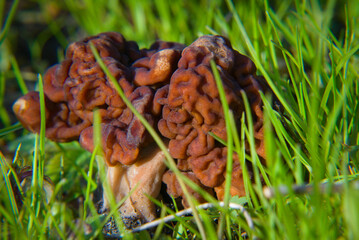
(123, 137)
(27, 111)
(192, 109)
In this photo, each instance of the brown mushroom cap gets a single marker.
(161, 45)
(27, 110)
(123, 136)
(61, 124)
(192, 109)
(156, 69)
(207, 48)
(157, 64)
(91, 89)
(108, 44)
(54, 80)
(211, 171)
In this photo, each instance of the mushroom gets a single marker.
(173, 87)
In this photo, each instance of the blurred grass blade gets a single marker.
(19, 78)
(255, 159)
(42, 132)
(38, 163)
(14, 208)
(226, 112)
(4, 116)
(229, 165)
(8, 21)
(90, 182)
(8, 130)
(103, 177)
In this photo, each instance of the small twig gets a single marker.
(186, 211)
(338, 187)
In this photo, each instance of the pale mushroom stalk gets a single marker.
(145, 176)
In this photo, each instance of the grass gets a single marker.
(306, 50)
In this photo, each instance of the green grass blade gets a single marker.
(8, 21)
(7, 216)
(255, 160)
(226, 112)
(12, 128)
(90, 182)
(13, 218)
(229, 165)
(42, 132)
(4, 116)
(18, 76)
(14, 208)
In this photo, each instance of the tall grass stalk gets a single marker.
(8, 21)
(229, 142)
(10, 192)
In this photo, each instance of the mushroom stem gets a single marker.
(145, 176)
